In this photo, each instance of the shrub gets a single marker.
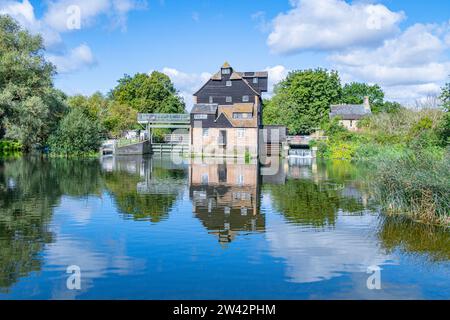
(416, 184)
(76, 135)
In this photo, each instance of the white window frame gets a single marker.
(211, 99)
(228, 99)
(226, 71)
(200, 116)
(229, 83)
(245, 98)
(241, 132)
(255, 80)
(205, 132)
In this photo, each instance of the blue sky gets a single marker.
(402, 45)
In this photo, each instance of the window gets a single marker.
(228, 83)
(351, 123)
(255, 80)
(240, 179)
(242, 115)
(229, 99)
(245, 99)
(241, 132)
(205, 178)
(205, 132)
(226, 71)
(200, 116)
(211, 100)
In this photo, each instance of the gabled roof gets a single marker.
(349, 111)
(226, 65)
(228, 110)
(207, 108)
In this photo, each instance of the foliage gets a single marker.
(443, 130)
(445, 96)
(154, 93)
(303, 99)
(30, 107)
(119, 118)
(354, 93)
(416, 184)
(7, 146)
(76, 135)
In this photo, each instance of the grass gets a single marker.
(415, 185)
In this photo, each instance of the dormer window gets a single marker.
(229, 83)
(211, 100)
(245, 98)
(226, 70)
(229, 99)
(255, 80)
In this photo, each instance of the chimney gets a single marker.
(366, 104)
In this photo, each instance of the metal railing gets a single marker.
(164, 117)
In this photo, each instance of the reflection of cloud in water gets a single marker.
(95, 259)
(314, 255)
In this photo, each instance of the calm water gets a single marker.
(143, 228)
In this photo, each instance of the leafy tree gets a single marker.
(119, 117)
(445, 96)
(154, 93)
(29, 105)
(76, 134)
(303, 100)
(354, 93)
(95, 107)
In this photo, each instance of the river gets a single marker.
(152, 228)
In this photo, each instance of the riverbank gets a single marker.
(408, 151)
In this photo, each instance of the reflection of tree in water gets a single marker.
(29, 189)
(397, 233)
(142, 206)
(317, 200)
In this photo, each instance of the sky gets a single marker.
(402, 45)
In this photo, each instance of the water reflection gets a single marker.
(225, 197)
(144, 188)
(309, 223)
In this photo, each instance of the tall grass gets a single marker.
(415, 184)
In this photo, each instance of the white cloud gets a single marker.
(55, 22)
(410, 66)
(276, 74)
(331, 25)
(187, 83)
(74, 60)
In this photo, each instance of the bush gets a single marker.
(8, 146)
(76, 135)
(416, 184)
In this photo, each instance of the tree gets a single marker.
(119, 118)
(95, 106)
(29, 105)
(154, 93)
(303, 100)
(354, 93)
(445, 96)
(76, 134)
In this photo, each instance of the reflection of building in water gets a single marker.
(225, 198)
(155, 175)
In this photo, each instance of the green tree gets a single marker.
(354, 93)
(119, 117)
(302, 101)
(445, 96)
(29, 105)
(154, 93)
(95, 106)
(76, 134)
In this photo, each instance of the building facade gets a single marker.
(350, 114)
(227, 114)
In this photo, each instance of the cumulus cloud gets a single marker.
(331, 25)
(54, 23)
(187, 83)
(74, 60)
(409, 66)
(276, 74)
